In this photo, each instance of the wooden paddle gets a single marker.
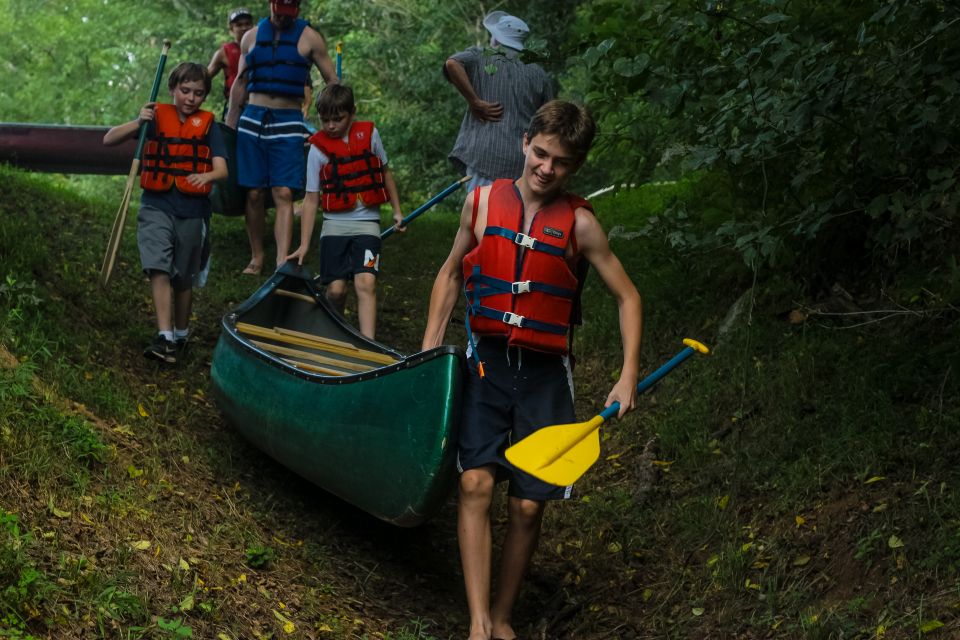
(561, 454)
(111, 256)
(437, 198)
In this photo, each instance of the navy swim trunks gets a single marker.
(522, 391)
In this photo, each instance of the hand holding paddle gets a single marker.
(561, 454)
(114, 243)
(437, 198)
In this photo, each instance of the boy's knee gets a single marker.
(256, 196)
(365, 283)
(336, 290)
(476, 483)
(529, 511)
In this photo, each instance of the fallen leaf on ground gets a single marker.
(930, 626)
(142, 545)
(895, 542)
(875, 479)
(142, 411)
(802, 560)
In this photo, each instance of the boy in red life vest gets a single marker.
(350, 237)
(184, 155)
(518, 250)
(227, 57)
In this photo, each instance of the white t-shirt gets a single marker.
(317, 160)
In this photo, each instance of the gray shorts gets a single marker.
(177, 246)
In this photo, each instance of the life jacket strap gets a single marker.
(525, 241)
(336, 184)
(494, 286)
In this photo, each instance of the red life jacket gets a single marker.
(352, 170)
(177, 151)
(232, 51)
(526, 296)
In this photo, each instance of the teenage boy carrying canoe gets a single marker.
(277, 57)
(518, 249)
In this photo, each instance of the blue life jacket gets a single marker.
(277, 67)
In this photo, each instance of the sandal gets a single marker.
(253, 268)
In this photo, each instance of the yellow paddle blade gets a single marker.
(558, 455)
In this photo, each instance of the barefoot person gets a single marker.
(350, 239)
(275, 66)
(184, 156)
(517, 251)
(499, 106)
(227, 57)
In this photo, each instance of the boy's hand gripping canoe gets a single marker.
(108, 260)
(561, 454)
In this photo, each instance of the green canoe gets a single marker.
(350, 415)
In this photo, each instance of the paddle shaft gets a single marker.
(114, 244)
(437, 198)
(339, 60)
(651, 380)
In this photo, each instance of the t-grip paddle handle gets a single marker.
(692, 347)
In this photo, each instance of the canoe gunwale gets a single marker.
(229, 324)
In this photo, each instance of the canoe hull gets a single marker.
(385, 442)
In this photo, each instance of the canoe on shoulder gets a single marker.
(350, 415)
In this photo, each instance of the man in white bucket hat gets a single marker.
(499, 105)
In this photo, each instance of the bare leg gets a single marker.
(523, 533)
(473, 532)
(283, 227)
(254, 219)
(366, 284)
(182, 301)
(160, 288)
(337, 294)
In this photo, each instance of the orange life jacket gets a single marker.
(177, 151)
(526, 296)
(351, 171)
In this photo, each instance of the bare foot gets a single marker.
(253, 268)
(503, 632)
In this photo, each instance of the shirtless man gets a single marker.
(275, 63)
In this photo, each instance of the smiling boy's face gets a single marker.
(187, 98)
(338, 125)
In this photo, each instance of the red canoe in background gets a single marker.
(57, 148)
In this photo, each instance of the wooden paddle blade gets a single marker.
(558, 455)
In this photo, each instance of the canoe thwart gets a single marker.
(291, 294)
(313, 343)
(310, 367)
(306, 355)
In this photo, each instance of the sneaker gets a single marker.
(182, 342)
(161, 349)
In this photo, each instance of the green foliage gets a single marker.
(866, 546)
(816, 117)
(175, 628)
(259, 557)
(83, 441)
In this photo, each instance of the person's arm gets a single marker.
(122, 133)
(219, 174)
(449, 281)
(394, 199)
(238, 93)
(307, 100)
(483, 111)
(309, 216)
(217, 64)
(593, 246)
(321, 58)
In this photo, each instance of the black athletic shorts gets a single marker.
(342, 257)
(522, 392)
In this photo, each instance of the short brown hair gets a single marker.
(188, 72)
(333, 99)
(572, 124)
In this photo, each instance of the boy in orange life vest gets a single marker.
(184, 155)
(350, 238)
(518, 250)
(227, 57)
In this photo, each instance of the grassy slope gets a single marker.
(766, 518)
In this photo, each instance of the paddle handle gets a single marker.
(153, 92)
(340, 60)
(437, 198)
(655, 377)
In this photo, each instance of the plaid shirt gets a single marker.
(495, 149)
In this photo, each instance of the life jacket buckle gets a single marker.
(524, 241)
(521, 287)
(513, 319)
